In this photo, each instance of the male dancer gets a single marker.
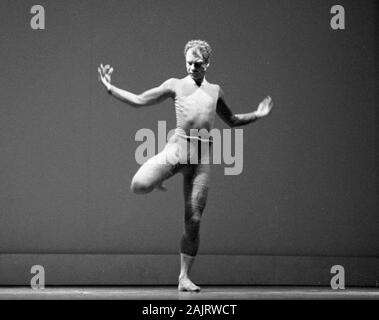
(196, 103)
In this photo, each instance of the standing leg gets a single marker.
(195, 197)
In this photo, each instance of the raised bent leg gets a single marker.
(152, 174)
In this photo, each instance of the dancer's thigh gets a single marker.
(156, 169)
(196, 180)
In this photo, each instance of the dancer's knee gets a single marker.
(192, 226)
(139, 186)
(195, 219)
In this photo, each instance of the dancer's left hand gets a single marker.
(264, 107)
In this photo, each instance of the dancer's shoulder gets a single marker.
(218, 88)
(170, 84)
(171, 81)
(214, 85)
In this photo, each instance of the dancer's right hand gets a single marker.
(104, 75)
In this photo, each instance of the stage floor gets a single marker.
(171, 293)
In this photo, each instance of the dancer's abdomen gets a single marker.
(195, 112)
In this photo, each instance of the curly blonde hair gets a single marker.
(202, 46)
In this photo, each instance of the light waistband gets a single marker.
(193, 138)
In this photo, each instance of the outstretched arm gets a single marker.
(147, 98)
(235, 120)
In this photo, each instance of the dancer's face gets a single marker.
(196, 66)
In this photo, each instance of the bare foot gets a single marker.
(185, 284)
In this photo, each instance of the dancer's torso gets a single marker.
(195, 106)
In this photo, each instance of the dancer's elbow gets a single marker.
(233, 122)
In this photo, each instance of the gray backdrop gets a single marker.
(309, 184)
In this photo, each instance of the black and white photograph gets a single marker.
(189, 154)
